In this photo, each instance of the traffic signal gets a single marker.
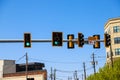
(80, 39)
(97, 43)
(70, 43)
(107, 40)
(57, 38)
(27, 40)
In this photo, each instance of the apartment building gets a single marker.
(112, 27)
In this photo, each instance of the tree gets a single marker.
(107, 72)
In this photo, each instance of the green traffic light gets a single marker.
(27, 44)
(56, 42)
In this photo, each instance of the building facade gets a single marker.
(112, 27)
(7, 66)
(11, 71)
(32, 75)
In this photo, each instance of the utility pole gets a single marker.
(69, 78)
(82, 76)
(93, 62)
(54, 74)
(51, 75)
(111, 56)
(26, 66)
(75, 76)
(84, 71)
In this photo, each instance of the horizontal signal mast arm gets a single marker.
(36, 40)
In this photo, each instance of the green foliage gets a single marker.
(107, 72)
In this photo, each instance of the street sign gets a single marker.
(91, 38)
(91, 42)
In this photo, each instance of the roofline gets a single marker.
(111, 19)
(6, 60)
(31, 63)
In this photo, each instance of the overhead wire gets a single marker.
(55, 61)
(96, 51)
(20, 58)
(65, 71)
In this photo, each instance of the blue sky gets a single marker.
(42, 17)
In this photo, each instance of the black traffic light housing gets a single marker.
(27, 40)
(70, 43)
(107, 40)
(57, 38)
(80, 39)
(97, 43)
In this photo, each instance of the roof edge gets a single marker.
(111, 19)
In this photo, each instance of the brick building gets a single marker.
(11, 71)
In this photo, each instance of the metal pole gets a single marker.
(75, 75)
(84, 71)
(82, 76)
(51, 75)
(26, 66)
(54, 74)
(111, 56)
(94, 62)
(36, 40)
(68, 78)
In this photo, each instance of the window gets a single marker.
(117, 51)
(117, 40)
(108, 54)
(116, 29)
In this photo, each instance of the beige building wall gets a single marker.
(110, 29)
(36, 77)
(7, 66)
